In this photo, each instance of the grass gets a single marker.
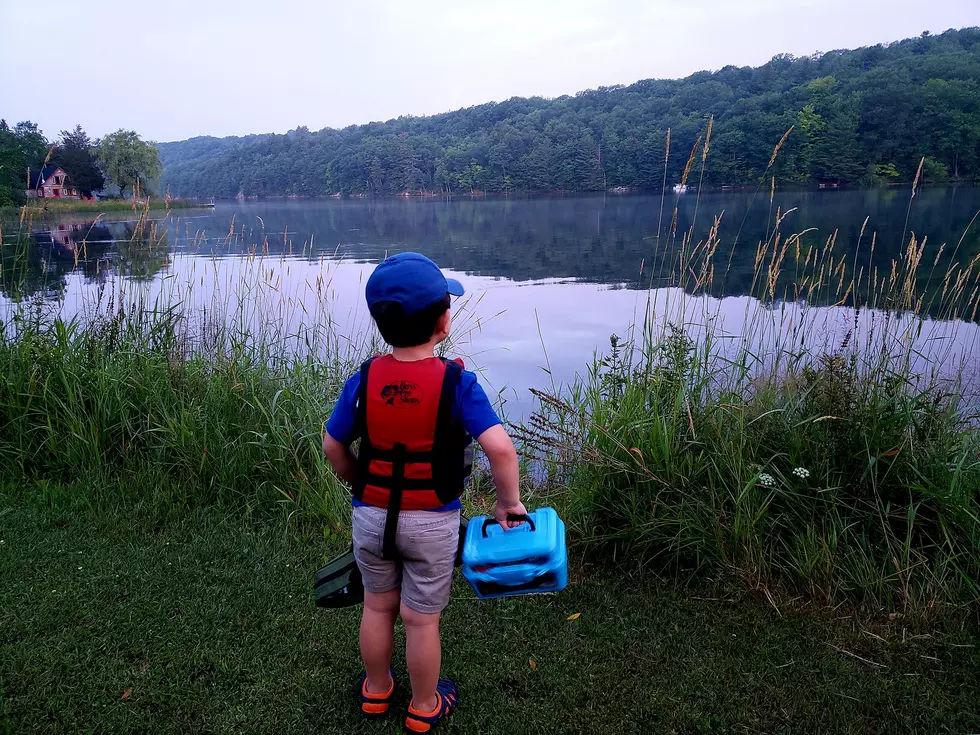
(122, 399)
(128, 619)
(40, 209)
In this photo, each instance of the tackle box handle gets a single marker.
(510, 517)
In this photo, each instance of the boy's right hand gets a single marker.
(501, 512)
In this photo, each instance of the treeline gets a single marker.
(860, 117)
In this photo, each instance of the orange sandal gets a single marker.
(447, 697)
(375, 705)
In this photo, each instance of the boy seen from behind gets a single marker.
(415, 415)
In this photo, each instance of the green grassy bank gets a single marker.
(833, 480)
(47, 208)
(123, 400)
(135, 620)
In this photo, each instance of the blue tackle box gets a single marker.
(527, 559)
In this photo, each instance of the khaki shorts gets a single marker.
(426, 543)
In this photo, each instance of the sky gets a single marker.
(183, 68)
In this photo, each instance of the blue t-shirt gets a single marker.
(472, 409)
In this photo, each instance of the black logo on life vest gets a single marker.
(402, 394)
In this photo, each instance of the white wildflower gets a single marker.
(801, 472)
(767, 480)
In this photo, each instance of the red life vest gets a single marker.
(412, 454)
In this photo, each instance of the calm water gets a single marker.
(551, 279)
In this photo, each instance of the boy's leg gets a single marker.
(427, 543)
(382, 579)
(423, 655)
(378, 637)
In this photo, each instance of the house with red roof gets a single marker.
(51, 182)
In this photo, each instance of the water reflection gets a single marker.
(608, 240)
(41, 265)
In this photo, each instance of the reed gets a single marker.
(184, 405)
(842, 470)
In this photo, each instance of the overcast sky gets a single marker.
(182, 68)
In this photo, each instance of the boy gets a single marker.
(414, 414)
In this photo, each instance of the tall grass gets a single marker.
(180, 406)
(831, 478)
(842, 468)
(122, 399)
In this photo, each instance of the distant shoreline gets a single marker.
(557, 193)
(46, 208)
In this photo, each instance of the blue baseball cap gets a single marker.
(412, 280)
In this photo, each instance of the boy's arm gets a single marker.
(340, 458)
(499, 448)
(341, 427)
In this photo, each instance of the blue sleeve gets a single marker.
(476, 413)
(341, 423)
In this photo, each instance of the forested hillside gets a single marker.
(859, 117)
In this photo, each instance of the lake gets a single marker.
(550, 278)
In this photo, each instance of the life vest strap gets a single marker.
(447, 465)
(360, 430)
(389, 547)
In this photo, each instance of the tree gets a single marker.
(11, 177)
(129, 161)
(810, 127)
(33, 145)
(74, 155)
(880, 174)
(934, 172)
(837, 152)
(23, 150)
